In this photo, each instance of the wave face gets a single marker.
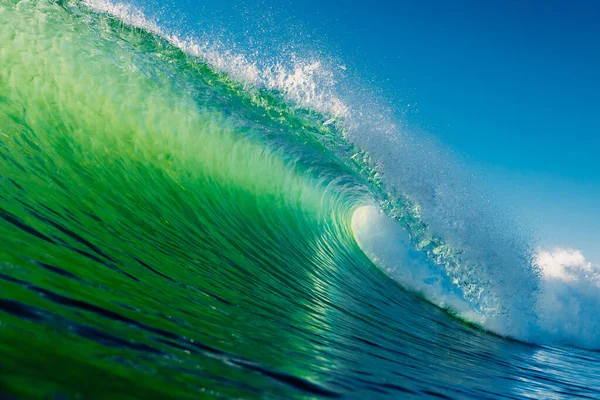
(182, 223)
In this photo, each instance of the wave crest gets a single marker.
(479, 257)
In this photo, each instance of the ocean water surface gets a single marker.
(178, 222)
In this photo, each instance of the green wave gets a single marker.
(148, 203)
(162, 220)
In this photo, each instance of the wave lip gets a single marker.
(306, 82)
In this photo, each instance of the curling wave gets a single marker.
(489, 268)
(171, 208)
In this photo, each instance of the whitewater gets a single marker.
(184, 219)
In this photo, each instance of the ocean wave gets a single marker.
(485, 268)
(425, 223)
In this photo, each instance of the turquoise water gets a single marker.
(170, 231)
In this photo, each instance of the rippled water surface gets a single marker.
(169, 233)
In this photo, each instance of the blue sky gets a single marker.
(511, 86)
(514, 87)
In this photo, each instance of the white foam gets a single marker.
(568, 303)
